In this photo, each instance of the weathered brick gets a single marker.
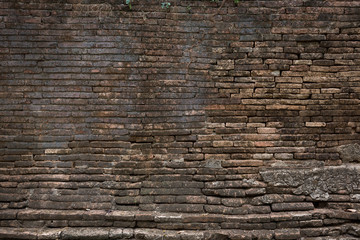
(312, 223)
(105, 122)
(189, 208)
(310, 38)
(287, 234)
(223, 143)
(88, 233)
(295, 206)
(315, 124)
(233, 202)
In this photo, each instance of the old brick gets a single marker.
(288, 224)
(309, 38)
(315, 124)
(81, 233)
(10, 233)
(287, 234)
(110, 116)
(267, 199)
(223, 143)
(244, 163)
(295, 206)
(190, 208)
(233, 202)
(255, 191)
(311, 223)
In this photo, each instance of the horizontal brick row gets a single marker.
(146, 219)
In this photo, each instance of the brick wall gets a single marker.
(203, 120)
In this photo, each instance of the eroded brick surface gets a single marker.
(204, 120)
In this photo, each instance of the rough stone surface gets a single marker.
(319, 182)
(350, 153)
